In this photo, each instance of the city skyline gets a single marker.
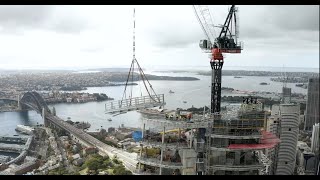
(80, 37)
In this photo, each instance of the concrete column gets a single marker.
(143, 129)
(237, 158)
(140, 156)
(191, 137)
(161, 156)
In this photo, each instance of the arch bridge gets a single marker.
(35, 101)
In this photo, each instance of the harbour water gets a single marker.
(195, 93)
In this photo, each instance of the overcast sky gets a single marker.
(101, 36)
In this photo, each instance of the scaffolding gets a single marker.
(236, 144)
(174, 134)
(218, 145)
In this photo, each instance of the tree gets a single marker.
(116, 161)
(120, 170)
(107, 163)
(96, 162)
(92, 164)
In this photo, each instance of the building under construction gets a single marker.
(232, 145)
(236, 144)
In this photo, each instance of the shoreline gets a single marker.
(10, 110)
(18, 110)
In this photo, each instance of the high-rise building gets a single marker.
(286, 95)
(315, 139)
(285, 124)
(312, 114)
(273, 127)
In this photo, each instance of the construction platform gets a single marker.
(157, 163)
(136, 103)
(178, 124)
(166, 145)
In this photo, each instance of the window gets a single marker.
(289, 129)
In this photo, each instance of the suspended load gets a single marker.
(128, 102)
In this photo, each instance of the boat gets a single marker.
(109, 119)
(264, 83)
(237, 77)
(184, 101)
(305, 86)
(171, 92)
(82, 125)
(24, 129)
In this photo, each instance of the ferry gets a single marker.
(264, 83)
(25, 129)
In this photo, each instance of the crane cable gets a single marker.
(141, 73)
(144, 77)
(199, 20)
(128, 77)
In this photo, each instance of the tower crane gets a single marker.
(226, 42)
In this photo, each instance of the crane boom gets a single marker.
(203, 15)
(200, 21)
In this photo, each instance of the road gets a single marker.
(129, 159)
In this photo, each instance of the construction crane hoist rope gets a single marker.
(128, 102)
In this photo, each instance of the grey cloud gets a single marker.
(93, 49)
(180, 37)
(68, 26)
(17, 18)
(258, 24)
(168, 41)
(295, 17)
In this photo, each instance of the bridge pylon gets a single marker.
(19, 104)
(54, 111)
(44, 117)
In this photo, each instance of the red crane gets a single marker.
(226, 42)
